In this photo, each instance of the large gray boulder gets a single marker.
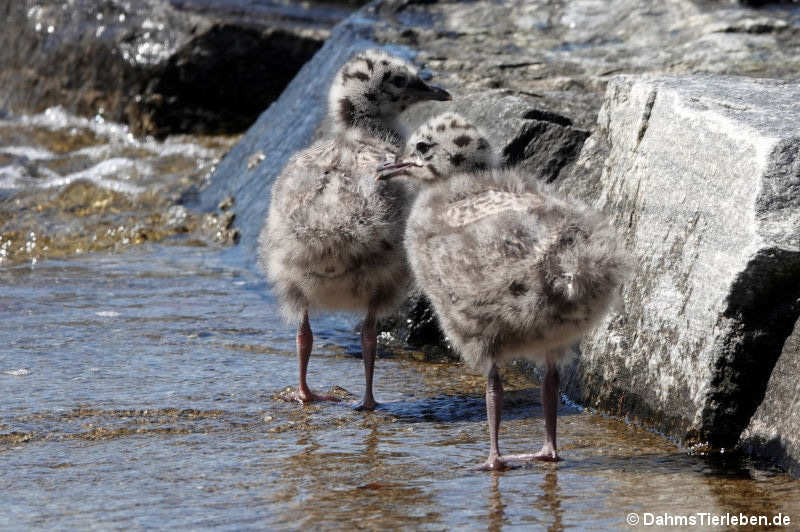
(774, 430)
(702, 176)
(162, 66)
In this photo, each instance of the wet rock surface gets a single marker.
(534, 76)
(161, 66)
(523, 133)
(700, 174)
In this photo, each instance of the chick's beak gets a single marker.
(423, 91)
(389, 170)
(439, 94)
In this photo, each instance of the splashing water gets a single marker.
(69, 185)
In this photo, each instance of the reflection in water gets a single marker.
(550, 498)
(371, 451)
(331, 478)
(544, 490)
(496, 516)
(739, 488)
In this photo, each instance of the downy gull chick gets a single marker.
(512, 269)
(333, 239)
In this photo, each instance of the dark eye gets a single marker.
(398, 81)
(423, 147)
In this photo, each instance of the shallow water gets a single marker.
(140, 390)
(69, 185)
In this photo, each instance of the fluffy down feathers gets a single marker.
(373, 88)
(447, 144)
(512, 269)
(333, 238)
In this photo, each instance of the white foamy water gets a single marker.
(26, 152)
(55, 148)
(21, 372)
(56, 171)
(57, 118)
(19, 176)
(113, 174)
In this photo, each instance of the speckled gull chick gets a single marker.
(333, 239)
(512, 270)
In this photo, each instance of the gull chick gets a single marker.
(333, 239)
(512, 270)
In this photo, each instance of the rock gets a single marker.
(161, 66)
(702, 175)
(774, 430)
(563, 54)
(762, 3)
(416, 325)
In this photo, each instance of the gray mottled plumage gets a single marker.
(333, 239)
(513, 270)
(445, 145)
(371, 90)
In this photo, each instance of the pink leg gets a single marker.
(548, 452)
(494, 408)
(369, 344)
(305, 340)
(550, 404)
